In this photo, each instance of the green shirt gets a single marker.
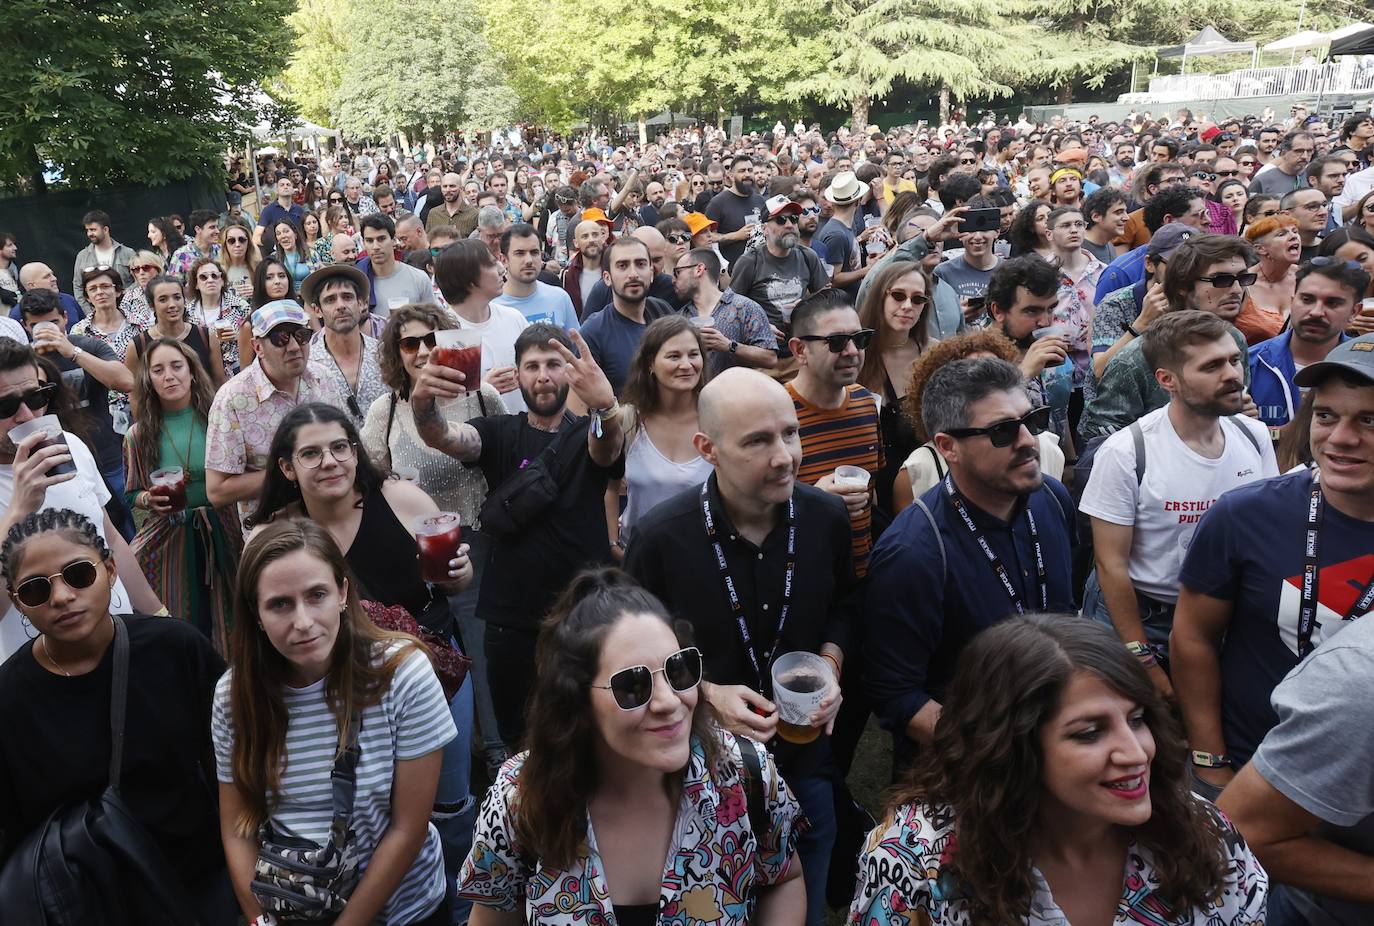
(183, 444)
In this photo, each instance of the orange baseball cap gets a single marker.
(697, 223)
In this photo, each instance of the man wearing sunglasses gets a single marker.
(754, 534)
(1142, 527)
(994, 539)
(781, 273)
(26, 486)
(248, 408)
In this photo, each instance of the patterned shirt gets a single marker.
(119, 343)
(370, 384)
(715, 864)
(179, 264)
(232, 308)
(1116, 310)
(134, 305)
(737, 318)
(900, 873)
(1075, 310)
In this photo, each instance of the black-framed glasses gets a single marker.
(1204, 175)
(633, 687)
(35, 399)
(789, 219)
(1003, 433)
(836, 342)
(1228, 173)
(410, 345)
(1227, 280)
(716, 183)
(341, 450)
(281, 336)
(1333, 261)
(236, 240)
(35, 592)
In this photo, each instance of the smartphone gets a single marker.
(980, 220)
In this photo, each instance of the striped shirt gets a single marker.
(847, 435)
(411, 720)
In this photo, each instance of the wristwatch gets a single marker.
(734, 346)
(76, 353)
(1210, 759)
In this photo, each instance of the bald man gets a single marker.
(37, 275)
(454, 210)
(583, 272)
(343, 249)
(660, 288)
(785, 547)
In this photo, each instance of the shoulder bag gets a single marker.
(525, 495)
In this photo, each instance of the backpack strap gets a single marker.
(1245, 432)
(940, 468)
(1138, 438)
(944, 558)
(751, 775)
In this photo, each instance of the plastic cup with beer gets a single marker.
(800, 683)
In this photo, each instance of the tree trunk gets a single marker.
(405, 144)
(643, 130)
(1065, 92)
(944, 102)
(37, 185)
(858, 113)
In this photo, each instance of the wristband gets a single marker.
(734, 346)
(1131, 329)
(1142, 652)
(1210, 759)
(834, 662)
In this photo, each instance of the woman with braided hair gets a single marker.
(55, 694)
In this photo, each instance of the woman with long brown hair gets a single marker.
(171, 320)
(188, 552)
(1060, 796)
(628, 777)
(315, 684)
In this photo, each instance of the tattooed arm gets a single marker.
(460, 441)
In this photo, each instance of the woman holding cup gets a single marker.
(188, 549)
(240, 258)
(219, 308)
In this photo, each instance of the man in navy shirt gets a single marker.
(993, 540)
(613, 333)
(284, 207)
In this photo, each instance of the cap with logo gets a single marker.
(1167, 239)
(1354, 356)
(777, 205)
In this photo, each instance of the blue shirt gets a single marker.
(1272, 388)
(1248, 550)
(547, 305)
(921, 611)
(1126, 270)
(613, 339)
(69, 305)
(275, 213)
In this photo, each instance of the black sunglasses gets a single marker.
(34, 399)
(836, 342)
(35, 592)
(280, 337)
(1228, 173)
(1003, 433)
(679, 238)
(789, 219)
(1227, 280)
(633, 688)
(412, 344)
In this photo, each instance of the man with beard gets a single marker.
(1207, 273)
(734, 328)
(778, 275)
(531, 563)
(654, 197)
(336, 295)
(1142, 527)
(1326, 298)
(583, 271)
(613, 333)
(453, 210)
(994, 539)
(736, 210)
(1023, 294)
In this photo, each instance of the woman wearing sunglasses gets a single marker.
(311, 676)
(170, 321)
(659, 787)
(1062, 798)
(1269, 298)
(218, 308)
(239, 258)
(190, 553)
(55, 707)
(134, 302)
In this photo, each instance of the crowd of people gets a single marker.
(1048, 446)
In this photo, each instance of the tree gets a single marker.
(316, 71)
(113, 92)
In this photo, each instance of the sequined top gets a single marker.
(453, 486)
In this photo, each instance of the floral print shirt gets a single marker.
(715, 864)
(900, 873)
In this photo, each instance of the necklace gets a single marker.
(47, 652)
(1260, 267)
(190, 439)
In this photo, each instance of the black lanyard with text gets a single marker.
(733, 594)
(1311, 577)
(995, 561)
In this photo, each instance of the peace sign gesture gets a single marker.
(585, 376)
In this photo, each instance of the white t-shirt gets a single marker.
(86, 495)
(499, 332)
(1178, 488)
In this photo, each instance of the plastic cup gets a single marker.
(1367, 307)
(852, 477)
(393, 304)
(460, 349)
(800, 683)
(44, 348)
(1060, 330)
(171, 484)
(703, 321)
(49, 425)
(438, 536)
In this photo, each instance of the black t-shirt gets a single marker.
(55, 748)
(95, 400)
(731, 213)
(525, 574)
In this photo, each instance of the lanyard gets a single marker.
(1311, 577)
(994, 560)
(733, 594)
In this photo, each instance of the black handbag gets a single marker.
(517, 503)
(92, 863)
(299, 880)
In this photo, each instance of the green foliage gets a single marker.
(113, 92)
(316, 71)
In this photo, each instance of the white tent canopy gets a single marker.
(1207, 42)
(1298, 41)
(302, 129)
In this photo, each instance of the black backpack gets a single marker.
(91, 863)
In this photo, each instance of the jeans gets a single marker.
(816, 795)
(1157, 617)
(455, 809)
(473, 631)
(510, 659)
(117, 508)
(1281, 911)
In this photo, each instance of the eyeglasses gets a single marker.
(311, 457)
(1334, 262)
(236, 239)
(679, 238)
(836, 342)
(34, 399)
(94, 269)
(1247, 163)
(716, 183)
(968, 160)
(698, 183)
(1001, 434)
(1227, 173)
(788, 219)
(281, 336)
(212, 275)
(37, 591)
(412, 344)
(1227, 280)
(150, 268)
(633, 687)
(1204, 175)
(902, 296)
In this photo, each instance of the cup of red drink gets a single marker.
(438, 536)
(51, 428)
(460, 349)
(169, 483)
